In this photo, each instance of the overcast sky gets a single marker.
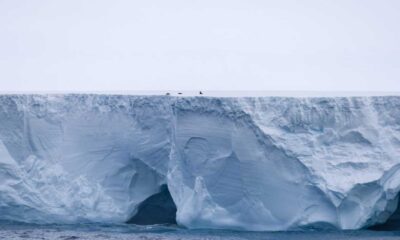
(84, 45)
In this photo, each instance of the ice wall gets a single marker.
(270, 163)
(81, 158)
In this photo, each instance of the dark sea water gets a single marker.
(160, 232)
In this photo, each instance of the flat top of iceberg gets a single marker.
(216, 93)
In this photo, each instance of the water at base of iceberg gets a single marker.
(12, 230)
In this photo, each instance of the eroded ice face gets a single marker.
(239, 163)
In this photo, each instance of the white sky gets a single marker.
(312, 45)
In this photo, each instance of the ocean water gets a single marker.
(162, 232)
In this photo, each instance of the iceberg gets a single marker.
(246, 163)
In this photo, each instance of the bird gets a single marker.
(179, 93)
(201, 93)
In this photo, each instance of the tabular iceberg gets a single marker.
(270, 163)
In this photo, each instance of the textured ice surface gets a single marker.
(271, 163)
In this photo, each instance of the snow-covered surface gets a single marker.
(260, 163)
(214, 93)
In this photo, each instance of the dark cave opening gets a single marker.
(156, 209)
(393, 222)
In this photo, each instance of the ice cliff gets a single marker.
(270, 163)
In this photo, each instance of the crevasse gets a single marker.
(270, 163)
